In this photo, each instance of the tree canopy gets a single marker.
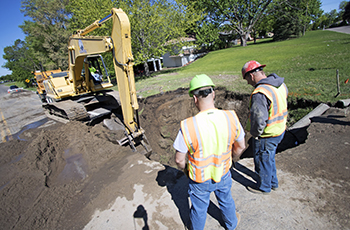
(294, 17)
(19, 61)
(238, 15)
(153, 23)
(158, 26)
(47, 32)
(346, 12)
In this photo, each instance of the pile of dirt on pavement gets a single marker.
(43, 175)
(50, 174)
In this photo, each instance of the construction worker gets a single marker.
(208, 140)
(268, 118)
(96, 75)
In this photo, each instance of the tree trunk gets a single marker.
(243, 40)
(145, 65)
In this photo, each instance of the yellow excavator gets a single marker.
(39, 77)
(83, 92)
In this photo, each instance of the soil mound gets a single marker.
(44, 174)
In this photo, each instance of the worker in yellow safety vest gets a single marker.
(97, 77)
(268, 118)
(209, 140)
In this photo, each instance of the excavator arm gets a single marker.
(120, 44)
(123, 63)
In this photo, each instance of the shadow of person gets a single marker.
(237, 167)
(291, 139)
(248, 152)
(177, 185)
(215, 212)
(141, 213)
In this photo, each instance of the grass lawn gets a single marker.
(309, 65)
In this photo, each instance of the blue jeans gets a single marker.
(264, 160)
(200, 198)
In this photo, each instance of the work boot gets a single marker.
(257, 191)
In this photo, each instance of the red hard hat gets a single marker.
(251, 65)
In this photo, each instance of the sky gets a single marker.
(11, 17)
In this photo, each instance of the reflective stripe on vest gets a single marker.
(209, 137)
(276, 124)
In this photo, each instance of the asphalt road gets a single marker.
(19, 111)
(342, 29)
(3, 90)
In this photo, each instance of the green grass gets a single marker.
(308, 64)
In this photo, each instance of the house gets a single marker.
(182, 56)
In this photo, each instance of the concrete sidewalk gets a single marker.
(160, 201)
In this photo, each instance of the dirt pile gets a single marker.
(44, 176)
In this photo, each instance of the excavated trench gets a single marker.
(160, 117)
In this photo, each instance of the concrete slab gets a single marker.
(305, 121)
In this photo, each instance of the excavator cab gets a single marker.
(96, 69)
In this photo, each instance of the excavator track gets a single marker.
(69, 110)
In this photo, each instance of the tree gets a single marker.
(342, 7)
(153, 23)
(264, 26)
(157, 27)
(294, 17)
(19, 60)
(332, 18)
(312, 9)
(7, 77)
(207, 34)
(346, 13)
(47, 31)
(240, 15)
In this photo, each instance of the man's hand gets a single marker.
(180, 159)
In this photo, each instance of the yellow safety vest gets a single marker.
(209, 137)
(92, 69)
(276, 124)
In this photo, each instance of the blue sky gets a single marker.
(11, 17)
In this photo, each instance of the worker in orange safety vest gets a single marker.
(268, 118)
(209, 140)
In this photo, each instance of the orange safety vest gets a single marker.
(276, 123)
(209, 137)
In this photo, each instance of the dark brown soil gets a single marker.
(162, 113)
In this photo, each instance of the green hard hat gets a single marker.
(200, 81)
